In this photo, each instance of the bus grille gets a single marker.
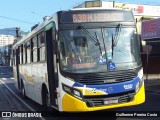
(116, 77)
(100, 101)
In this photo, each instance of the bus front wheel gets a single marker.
(45, 99)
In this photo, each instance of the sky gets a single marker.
(26, 13)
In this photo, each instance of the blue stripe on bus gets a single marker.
(76, 84)
(113, 88)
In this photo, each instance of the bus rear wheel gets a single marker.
(23, 90)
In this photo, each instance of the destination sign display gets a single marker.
(96, 16)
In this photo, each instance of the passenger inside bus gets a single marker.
(81, 50)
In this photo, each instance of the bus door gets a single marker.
(17, 67)
(51, 63)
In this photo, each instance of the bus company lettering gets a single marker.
(129, 86)
(94, 90)
(106, 90)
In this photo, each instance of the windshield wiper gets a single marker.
(95, 40)
(116, 37)
(98, 43)
(113, 45)
(118, 30)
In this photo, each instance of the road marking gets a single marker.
(156, 93)
(29, 107)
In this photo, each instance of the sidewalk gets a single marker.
(152, 84)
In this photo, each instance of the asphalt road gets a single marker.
(11, 100)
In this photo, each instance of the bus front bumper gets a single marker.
(70, 103)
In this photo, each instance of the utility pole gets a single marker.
(113, 4)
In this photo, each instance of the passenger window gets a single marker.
(28, 51)
(24, 55)
(41, 47)
(34, 49)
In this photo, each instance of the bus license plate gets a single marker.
(110, 101)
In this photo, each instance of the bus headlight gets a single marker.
(67, 89)
(137, 87)
(140, 74)
(76, 93)
(139, 84)
(72, 91)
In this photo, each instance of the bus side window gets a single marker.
(34, 49)
(41, 47)
(24, 55)
(22, 61)
(28, 52)
(21, 54)
(13, 57)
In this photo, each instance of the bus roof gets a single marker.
(98, 8)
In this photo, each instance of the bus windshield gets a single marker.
(80, 54)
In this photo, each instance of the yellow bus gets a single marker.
(82, 59)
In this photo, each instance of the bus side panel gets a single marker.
(33, 76)
(23, 73)
(41, 78)
(39, 73)
(26, 78)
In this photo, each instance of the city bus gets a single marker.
(82, 59)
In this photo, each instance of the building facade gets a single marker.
(6, 40)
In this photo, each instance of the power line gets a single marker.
(17, 20)
(37, 14)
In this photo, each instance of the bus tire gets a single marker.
(23, 90)
(45, 99)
